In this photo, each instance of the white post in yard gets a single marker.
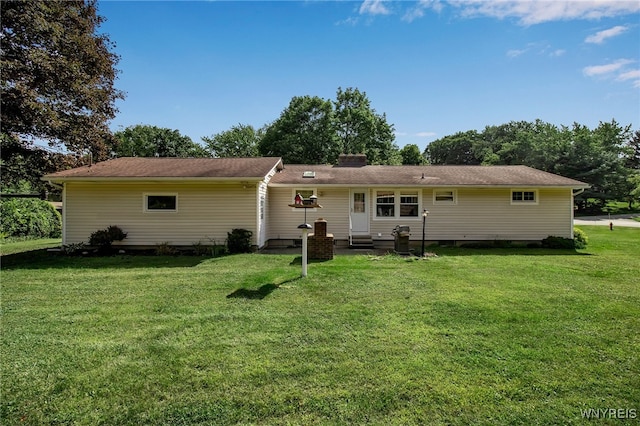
(305, 234)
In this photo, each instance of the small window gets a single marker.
(309, 174)
(385, 204)
(166, 203)
(524, 197)
(409, 204)
(444, 196)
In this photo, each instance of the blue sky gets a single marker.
(433, 67)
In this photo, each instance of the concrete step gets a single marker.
(361, 242)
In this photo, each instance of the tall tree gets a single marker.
(23, 164)
(152, 141)
(58, 73)
(303, 133)
(411, 155)
(240, 141)
(454, 149)
(361, 130)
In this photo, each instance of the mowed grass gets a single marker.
(494, 336)
(13, 247)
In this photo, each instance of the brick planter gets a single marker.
(320, 245)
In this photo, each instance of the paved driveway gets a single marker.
(617, 220)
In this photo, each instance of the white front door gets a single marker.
(359, 211)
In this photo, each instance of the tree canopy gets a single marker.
(361, 130)
(600, 157)
(241, 140)
(313, 130)
(58, 73)
(411, 155)
(151, 141)
(303, 133)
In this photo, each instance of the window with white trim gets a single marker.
(445, 196)
(398, 204)
(524, 197)
(385, 204)
(409, 204)
(160, 202)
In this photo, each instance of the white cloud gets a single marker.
(426, 134)
(596, 70)
(374, 7)
(514, 53)
(601, 36)
(349, 21)
(557, 53)
(629, 75)
(615, 70)
(531, 12)
(419, 9)
(633, 75)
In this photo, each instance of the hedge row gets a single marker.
(29, 217)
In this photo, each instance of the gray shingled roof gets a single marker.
(422, 176)
(257, 168)
(139, 167)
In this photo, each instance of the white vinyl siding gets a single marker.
(206, 212)
(488, 214)
(284, 220)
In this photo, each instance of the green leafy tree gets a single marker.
(22, 164)
(151, 141)
(632, 151)
(411, 155)
(454, 149)
(239, 141)
(360, 130)
(303, 133)
(58, 73)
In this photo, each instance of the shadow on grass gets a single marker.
(261, 293)
(495, 251)
(298, 261)
(41, 259)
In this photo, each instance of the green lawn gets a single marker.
(494, 336)
(13, 247)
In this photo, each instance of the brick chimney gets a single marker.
(352, 160)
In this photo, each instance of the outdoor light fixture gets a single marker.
(425, 213)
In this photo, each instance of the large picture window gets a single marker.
(161, 202)
(398, 204)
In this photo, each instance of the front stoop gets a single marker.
(361, 242)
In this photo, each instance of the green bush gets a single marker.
(103, 238)
(239, 241)
(580, 240)
(29, 217)
(165, 249)
(558, 243)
